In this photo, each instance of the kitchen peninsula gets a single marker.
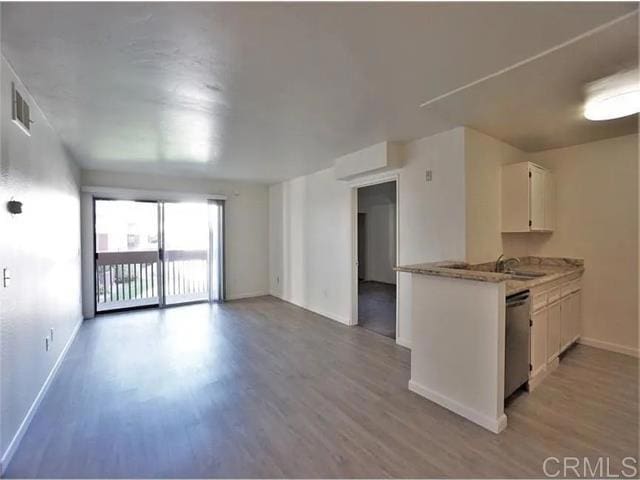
(458, 324)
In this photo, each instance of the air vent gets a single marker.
(20, 112)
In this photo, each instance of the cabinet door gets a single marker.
(536, 198)
(539, 340)
(515, 197)
(553, 331)
(567, 321)
(549, 201)
(576, 311)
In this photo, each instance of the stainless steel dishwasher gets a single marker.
(517, 345)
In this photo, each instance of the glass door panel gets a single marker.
(216, 267)
(126, 254)
(186, 252)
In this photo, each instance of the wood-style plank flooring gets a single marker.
(261, 388)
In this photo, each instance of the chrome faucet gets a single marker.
(502, 263)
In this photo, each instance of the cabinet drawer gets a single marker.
(554, 295)
(539, 301)
(571, 287)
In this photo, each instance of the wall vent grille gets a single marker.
(20, 111)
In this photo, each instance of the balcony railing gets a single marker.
(126, 279)
(186, 275)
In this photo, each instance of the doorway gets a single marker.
(157, 253)
(376, 249)
(362, 245)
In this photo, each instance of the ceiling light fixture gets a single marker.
(613, 97)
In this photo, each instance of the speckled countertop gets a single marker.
(553, 268)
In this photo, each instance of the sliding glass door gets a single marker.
(126, 254)
(157, 253)
(216, 249)
(186, 252)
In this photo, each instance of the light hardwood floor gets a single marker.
(261, 388)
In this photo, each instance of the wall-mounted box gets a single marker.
(528, 198)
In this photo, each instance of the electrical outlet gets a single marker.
(46, 344)
(6, 277)
(428, 175)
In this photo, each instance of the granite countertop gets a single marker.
(554, 269)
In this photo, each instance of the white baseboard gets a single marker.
(324, 313)
(613, 347)
(539, 375)
(403, 342)
(17, 438)
(330, 315)
(495, 425)
(240, 296)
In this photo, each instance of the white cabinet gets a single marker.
(539, 321)
(555, 324)
(554, 331)
(549, 201)
(537, 187)
(571, 313)
(577, 315)
(566, 323)
(528, 198)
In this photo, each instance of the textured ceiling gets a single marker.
(270, 91)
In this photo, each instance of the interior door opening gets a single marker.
(377, 257)
(156, 253)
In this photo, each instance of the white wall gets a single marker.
(311, 242)
(246, 241)
(378, 203)
(457, 359)
(41, 247)
(597, 219)
(484, 158)
(431, 215)
(311, 239)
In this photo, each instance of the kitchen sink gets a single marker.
(524, 275)
(515, 274)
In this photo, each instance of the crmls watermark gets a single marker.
(584, 467)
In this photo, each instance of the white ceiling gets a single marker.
(271, 91)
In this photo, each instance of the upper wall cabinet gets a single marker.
(528, 198)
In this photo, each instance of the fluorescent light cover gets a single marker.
(613, 97)
(615, 106)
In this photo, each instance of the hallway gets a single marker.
(377, 307)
